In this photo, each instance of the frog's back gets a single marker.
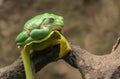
(35, 21)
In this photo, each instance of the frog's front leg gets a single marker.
(37, 34)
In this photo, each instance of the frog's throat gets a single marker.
(52, 27)
(57, 27)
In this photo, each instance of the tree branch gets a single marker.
(39, 59)
(97, 67)
(91, 66)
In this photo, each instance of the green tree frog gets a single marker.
(40, 32)
(38, 27)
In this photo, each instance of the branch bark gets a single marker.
(97, 67)
(91, 66)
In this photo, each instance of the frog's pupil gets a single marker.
(51, 20)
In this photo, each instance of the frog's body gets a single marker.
(38, 27)
(39, 33)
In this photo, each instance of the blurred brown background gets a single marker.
(92, 24)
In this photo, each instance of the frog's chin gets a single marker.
(57, 27)
(52, 27)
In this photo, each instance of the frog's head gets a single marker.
(45, 21)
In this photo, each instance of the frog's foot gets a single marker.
(21, 38)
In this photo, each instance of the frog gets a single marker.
(38, 33)
(38, 27)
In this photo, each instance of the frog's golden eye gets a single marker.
(51, 20)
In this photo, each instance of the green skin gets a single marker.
(38, 28)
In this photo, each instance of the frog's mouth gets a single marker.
(51, 27)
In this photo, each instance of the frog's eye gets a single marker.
(51, 20)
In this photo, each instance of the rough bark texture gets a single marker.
(91, 66)
(98, 67)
